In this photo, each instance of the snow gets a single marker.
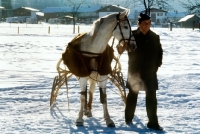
(28, 66)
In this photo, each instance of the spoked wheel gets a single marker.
(59, 81)
(116, 78)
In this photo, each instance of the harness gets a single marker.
(73, 54)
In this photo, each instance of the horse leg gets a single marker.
(83, 86)
(92, 84)
(103, 99)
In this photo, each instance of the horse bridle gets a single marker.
(118, 24)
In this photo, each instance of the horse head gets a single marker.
(117, 25)
(122, 31)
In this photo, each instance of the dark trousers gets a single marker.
(151, 106)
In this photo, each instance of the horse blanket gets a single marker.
(80, 64)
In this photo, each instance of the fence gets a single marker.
(13, 28)
(53, 29)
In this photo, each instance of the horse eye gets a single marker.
(126, 27)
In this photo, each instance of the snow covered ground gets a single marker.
(28, 66)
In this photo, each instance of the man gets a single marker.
(142, 71)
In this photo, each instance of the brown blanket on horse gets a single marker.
(79, 64)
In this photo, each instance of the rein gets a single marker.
(118, 24)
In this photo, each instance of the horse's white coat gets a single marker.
(96, 41)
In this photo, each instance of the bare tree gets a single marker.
(130, 3)
(162, 4)
(75, 6)
(192, 6)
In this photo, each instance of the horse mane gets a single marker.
(98, 23)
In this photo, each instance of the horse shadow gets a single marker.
(93, 125)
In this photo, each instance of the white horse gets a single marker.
(91, 45)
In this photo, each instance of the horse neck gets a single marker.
(101, 39)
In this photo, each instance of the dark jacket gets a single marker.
(146, 59)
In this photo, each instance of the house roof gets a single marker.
(186, 17)
(112, 8)
(27, 8)
(70, 9)
(176, 15)
(1, 7)
(39, 13)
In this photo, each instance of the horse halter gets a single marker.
(118, 24)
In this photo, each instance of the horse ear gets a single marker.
(125, 13)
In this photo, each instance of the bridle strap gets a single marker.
(118, 24)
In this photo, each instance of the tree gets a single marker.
(162, 4)
(75, 6)
(192, 6)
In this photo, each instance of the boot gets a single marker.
(131, 102)
(151, 108)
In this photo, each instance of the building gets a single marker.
(190, 21)
(110, 9)
(1, 8)
(158, 16)
(7, 12)
(83, 14)
(175, 16)
(27, 12)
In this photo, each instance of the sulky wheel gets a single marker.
(54, 91)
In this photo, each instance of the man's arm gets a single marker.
(160, 52)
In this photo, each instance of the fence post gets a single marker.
(193, 25)
(78, 29)
(170, 26)
(18, 30)
(49, 30)
(74, 28)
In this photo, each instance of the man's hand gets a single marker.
(121, 48)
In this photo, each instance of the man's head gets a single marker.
(144, 22)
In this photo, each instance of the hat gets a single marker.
(143, 17)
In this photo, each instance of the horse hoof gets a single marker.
(111, 125)
(88, 114)
(79, 124)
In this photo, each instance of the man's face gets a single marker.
(145, 26)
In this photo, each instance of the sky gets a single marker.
(28, 66)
